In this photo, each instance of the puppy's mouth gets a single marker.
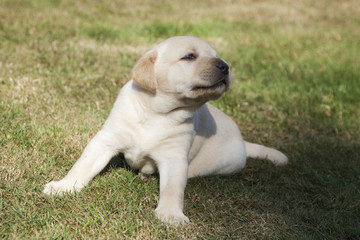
(218, 84)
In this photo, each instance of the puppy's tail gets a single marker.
(258, 151)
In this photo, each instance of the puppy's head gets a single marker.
(186, 68)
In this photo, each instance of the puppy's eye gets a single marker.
(189, 57)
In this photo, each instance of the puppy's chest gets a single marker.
(143, 141)
(152, 138)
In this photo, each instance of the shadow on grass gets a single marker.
(117, 161)
(315, 196)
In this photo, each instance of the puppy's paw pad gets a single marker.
(145, 177)
(171, 217)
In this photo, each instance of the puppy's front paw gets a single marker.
(61, 187)
(171, 217)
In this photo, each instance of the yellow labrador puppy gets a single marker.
(162, 123)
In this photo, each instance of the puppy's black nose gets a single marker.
(224, 68)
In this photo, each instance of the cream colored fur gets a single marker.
(162, 123)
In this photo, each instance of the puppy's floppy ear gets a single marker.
(144, 73)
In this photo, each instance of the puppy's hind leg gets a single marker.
(147, 170)
(254, 150)
(228, 158)
(95, 157)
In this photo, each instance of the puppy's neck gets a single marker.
(164, 104)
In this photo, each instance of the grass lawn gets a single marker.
(296, 87)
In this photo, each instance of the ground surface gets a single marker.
(296, 78)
